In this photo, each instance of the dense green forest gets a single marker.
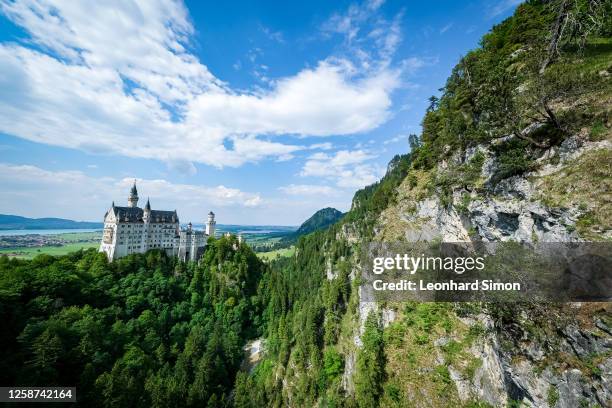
(145, 330)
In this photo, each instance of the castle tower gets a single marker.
(146, 214)
(210, 224)
(133, 198)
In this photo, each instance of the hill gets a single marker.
(319, 220)
(10, 222)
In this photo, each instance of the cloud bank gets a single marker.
(73, 194)
(120, 79)
(346, 168)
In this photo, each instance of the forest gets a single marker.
(145, 330)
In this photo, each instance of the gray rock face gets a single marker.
(577, 390)
(387, 317)
(349, 370)
(585, 344)
(504, 210)
(507, 210)
(498, 219)
(516, 374)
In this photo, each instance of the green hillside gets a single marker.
(145, 330)
(319, 220)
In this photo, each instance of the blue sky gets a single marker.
(263, 112)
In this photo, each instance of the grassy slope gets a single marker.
(283, 252)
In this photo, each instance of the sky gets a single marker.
(262, 112)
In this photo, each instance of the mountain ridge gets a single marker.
(319, 220)
(17, 222)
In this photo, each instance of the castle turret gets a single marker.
(133, 198)
(146, 213)
(210, 224)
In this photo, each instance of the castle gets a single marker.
(132, 230)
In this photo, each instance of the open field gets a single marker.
(268, 256)
(29, 253)
(28, 246)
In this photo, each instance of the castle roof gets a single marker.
(134, 191)
(134, 214)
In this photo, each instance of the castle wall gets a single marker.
(120, 239)
(133, 230)
(191, 245)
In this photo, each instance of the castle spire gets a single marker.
(133, 198)
(148, 205)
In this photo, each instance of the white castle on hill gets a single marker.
(133, 230)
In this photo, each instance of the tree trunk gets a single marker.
(551, 115)
(530, 140)
(557, 30)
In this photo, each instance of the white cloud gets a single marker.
(316, 102)
(396, 139)
(119, 79)
(308, 190)
(349, 23)
(369, 38)
(183, 166)
(499, 7)
(272, 35)
(446, 28)
(374, 4)
(347, 168)
(75, 195)
(321, 146)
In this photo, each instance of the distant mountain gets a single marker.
(10, 222)
(319, 220)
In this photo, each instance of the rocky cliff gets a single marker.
(546, 204)
(534, 355)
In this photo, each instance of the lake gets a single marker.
(46, 231)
